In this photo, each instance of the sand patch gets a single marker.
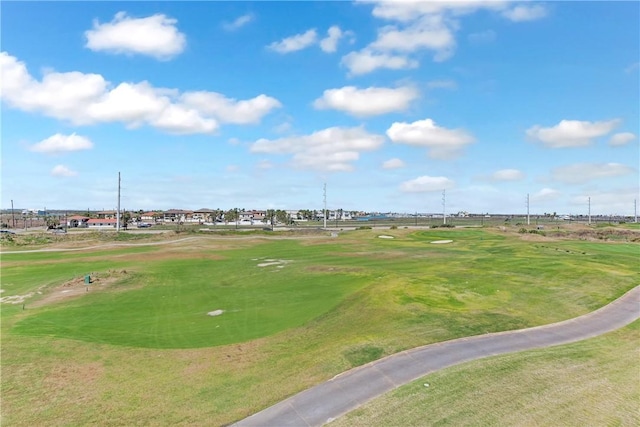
(76, 287)
(16, 299)
(280, 263)
(386, 237)
(440, 242)
(215, 313)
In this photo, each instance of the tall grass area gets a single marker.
(590, 383)
(144, 351)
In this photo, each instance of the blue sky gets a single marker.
(258, 104)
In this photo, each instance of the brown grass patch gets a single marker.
(76, 288)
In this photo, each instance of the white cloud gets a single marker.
(229, 110)
(408, 10)
(610, 201)
(371, 101)
(571, 133)
(85, 99)
(430, 25)
(264, 165)
(330, 43)
(442, 143)
(430, 32)
(331, 149)
(426, 183)
(366, 61)
(393, 164)
(507, 175)
(155, 36)
(295, 43)
(633, 67)
(482, 37)
(545, 194)
(442, 84)
(622, 138)
(580, 173)
(521, 13)
(238, 23)
(59, 143)
(63, 171)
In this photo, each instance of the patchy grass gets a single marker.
(150, 354)
(593, 382)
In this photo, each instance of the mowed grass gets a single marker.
(590, 383)
(145, 351)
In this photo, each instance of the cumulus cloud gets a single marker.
(295, 43)
(331, 149)
(521, 13)
(430, 32)
(238, 23)
(545, 194)
(330, 43)
(393, 164)
(366, 61)
(60, 143)
(580, 173)
(442, 143)
(427, 183)
(429, 25)
(371, 101)
(155, 36)
(229, 110)
(622, 138)
(85, 99)
(507, 175)
(62, 171)
(571, 133)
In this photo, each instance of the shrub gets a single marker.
(393, 227)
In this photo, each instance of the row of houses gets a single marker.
(108, 219)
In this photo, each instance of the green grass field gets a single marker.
(140, 347)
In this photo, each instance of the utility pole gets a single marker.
(589, 201)
(13, 217)
(444, 207)
(528, 218)
(325, 205)
(118, 210)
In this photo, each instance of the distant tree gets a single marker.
(231, 215)
(282, 217)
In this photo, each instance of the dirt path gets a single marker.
(347, 391)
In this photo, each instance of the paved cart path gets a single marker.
(347, 391)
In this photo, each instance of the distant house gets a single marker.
(150, 217)
(106, 214)
(177, 215)
(203, 215)
(77, 221)
(101, 223)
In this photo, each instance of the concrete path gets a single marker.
(347, 391)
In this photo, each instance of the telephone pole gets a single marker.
(118, 211)
(444, 207)
(325, 205)
(13, 217)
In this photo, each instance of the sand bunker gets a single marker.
(215, 313)
(442, 241)
(385, 237)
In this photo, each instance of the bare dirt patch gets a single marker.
(76, 287)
